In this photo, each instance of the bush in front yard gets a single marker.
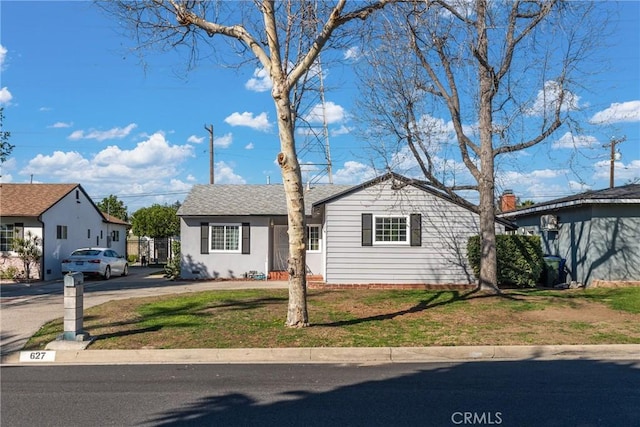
(520, 259)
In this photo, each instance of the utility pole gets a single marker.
(210, 130)
(612, 160)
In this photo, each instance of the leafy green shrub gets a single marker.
(520, 259)
(10, 273)
(132, 258)
(172, 269)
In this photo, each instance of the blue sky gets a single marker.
(82, 108)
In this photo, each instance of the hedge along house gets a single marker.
(388, 231)
(596, 232)
(63, 216)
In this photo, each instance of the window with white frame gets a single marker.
(6, 237)
(225, 237)
(313, 238)
(391, 229)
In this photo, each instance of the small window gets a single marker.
(88, 233)
(313, 238)
(115, 235)
(6, 237)
(391, 229)
(225, 238)
(61, 232)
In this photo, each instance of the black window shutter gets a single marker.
(367, 229)
(246, 238)
(416, 229)
(204, 238)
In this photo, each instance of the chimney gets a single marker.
(507, 201)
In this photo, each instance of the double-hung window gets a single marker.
(225, 237)
(391, 229)
(6, 237)
(313, 238)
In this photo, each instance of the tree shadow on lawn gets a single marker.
(426, 304)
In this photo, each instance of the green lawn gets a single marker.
(345, 318)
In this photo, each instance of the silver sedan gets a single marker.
(97, 261)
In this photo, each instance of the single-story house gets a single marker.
(596, 232)
(63, 216)
(390, 230)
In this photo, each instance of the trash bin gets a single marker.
(553, 267)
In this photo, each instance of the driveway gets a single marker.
(24, 309)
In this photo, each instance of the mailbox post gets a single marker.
(73, 308)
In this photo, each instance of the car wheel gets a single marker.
(107, 273)
(125, 270)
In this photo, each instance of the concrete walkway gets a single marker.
(20, 318)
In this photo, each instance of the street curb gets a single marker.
(319, 355)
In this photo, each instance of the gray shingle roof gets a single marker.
(251, 199)
(618, 195)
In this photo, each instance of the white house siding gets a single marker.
(79, 215)
(222, 265)
(442, 258)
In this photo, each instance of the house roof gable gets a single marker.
(31, 200)
(617, 195)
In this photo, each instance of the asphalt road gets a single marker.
(518, 393)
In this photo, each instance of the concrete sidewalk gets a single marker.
(357, 355)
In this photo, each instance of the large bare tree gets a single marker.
(500, 71)
(286, 37)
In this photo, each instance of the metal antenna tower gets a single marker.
(311, 117)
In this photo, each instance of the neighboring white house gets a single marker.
(63, 216)
(390, 230)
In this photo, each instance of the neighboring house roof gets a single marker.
(114, 220)
(251, 199)
(31, 199)
(626, 194)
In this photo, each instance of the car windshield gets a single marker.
(86, 252)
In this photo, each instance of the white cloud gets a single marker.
(547, 100)
(3, 56)
(195, 139)
(113, 133)
(61, 125)
(618, 112)
(260, 82)
(342, 130)
(224, 141)
(353, 173)
(352, 53)
(154, 151)
(249, 146)
(332, 111)
(259, 122)
(224, 174)
(5, 96)
(568, 140)
(45, 109)
(622, 172)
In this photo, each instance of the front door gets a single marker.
(280, 247)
